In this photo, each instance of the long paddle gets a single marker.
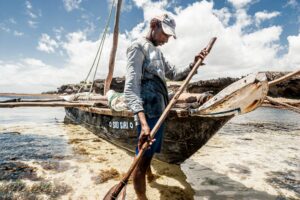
(114, 192)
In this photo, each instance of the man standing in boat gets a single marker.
(146, 91)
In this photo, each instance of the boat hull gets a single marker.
(183, 136)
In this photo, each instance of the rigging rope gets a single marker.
(99, 51)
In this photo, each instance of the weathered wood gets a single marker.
(292, 102)
(108, 111)
(240, 97)
(175, 112)
(114, 48)
(11, 100)
(94, 97)
(47, 104)
(290, 107)
(29, 95)
(182, 137)
(286, 77)
(41, 100)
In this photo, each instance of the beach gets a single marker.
(254, 156)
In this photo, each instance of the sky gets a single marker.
(44, 44)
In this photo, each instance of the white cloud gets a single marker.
(17, 33)
(12, 21)
(28, 75)
(28, 5)
(30, 11)
(242, 19)
(264, 15)
(126, 5)
(34, 62)
(81, 54)
(224, 15)
(58, 32)
(239, 3)
(235, 53)
(292, 60)
(150, 8)
(4, 28)
(292, 3)
(47, 44)
(33, 15)
(32, 24)
(71, 4)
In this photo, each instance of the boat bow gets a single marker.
(240, 97)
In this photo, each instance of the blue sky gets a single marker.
(53, 37)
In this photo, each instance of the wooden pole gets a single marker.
(283, 78)
(114, 192)
(29, 95)
(44, 104)
(288, 106)
(114, 49)
(50, 104)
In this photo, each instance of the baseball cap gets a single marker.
(168, 24)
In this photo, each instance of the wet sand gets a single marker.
(50, 155)
(42, 158)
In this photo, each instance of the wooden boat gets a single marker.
(187, 130)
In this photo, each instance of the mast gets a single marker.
(113, 49)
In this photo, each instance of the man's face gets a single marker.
(159, 37)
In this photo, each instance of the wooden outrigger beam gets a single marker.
(29, 95)
(283, 78)
(285, 105)
(51, 104)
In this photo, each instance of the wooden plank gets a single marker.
(274, 101)
(107, 111)
(28, 95)
(284, 78)
(46, 104)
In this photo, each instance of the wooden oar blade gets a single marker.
(111, 194)
(240, 97)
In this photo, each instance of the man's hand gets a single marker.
(145, 131)
(200, 55)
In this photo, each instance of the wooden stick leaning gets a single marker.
(283, 78)
(114, 192)
(279, 80)
(27, 94)
(51, 104)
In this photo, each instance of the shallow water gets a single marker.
(255, 156)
